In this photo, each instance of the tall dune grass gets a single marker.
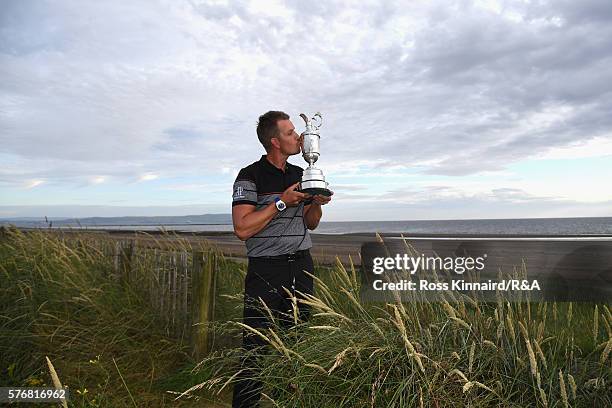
(458, 352)
(59, 298)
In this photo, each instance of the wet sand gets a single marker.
(568, 255)
(569, 261)
(572, 253)
(324, 251)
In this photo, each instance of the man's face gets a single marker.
(288, 139)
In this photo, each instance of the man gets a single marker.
(273, 218)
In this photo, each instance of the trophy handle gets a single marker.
(309, 122)
(319, 121)
(306, 120)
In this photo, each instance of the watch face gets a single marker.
(280, 205)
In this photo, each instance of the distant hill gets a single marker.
(33, 222)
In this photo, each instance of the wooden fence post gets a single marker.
(125, 261)
(203, 282)
(116, 251)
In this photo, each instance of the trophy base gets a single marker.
(314, 187)
(318, 191)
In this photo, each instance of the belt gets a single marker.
(287, 257)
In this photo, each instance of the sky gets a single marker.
(431, 109)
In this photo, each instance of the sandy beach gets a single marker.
(567, 255)
(325, 248)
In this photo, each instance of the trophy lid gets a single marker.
(312, 124)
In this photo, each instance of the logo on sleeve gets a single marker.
(239, 193)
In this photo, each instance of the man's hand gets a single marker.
(291, 197)
(321, 199)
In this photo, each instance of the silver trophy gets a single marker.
(313, 180)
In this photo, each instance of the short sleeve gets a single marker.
(245, 189)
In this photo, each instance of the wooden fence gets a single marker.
(179, 280)
(180, 285)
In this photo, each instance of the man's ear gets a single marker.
(275, 142)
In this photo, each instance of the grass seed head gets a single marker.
(572, 384)
(563, 390)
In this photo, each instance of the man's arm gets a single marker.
(248, 222)
(312, 215)
(313, 212)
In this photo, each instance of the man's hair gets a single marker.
(267, 127)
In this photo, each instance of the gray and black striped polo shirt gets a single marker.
(259, 184)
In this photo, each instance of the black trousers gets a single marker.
(265, 279)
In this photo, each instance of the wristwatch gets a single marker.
(280, 204)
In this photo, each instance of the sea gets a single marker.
(519, 226)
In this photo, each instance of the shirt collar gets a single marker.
(270, 167)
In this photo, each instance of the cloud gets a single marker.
(198, 187)
(349, 187)
(98, 180)
(33, 183)
(148, 177)
(402, 206)
(515, 195)
(596, 147)
(435, 195)
(80, 211)
(467, 88)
